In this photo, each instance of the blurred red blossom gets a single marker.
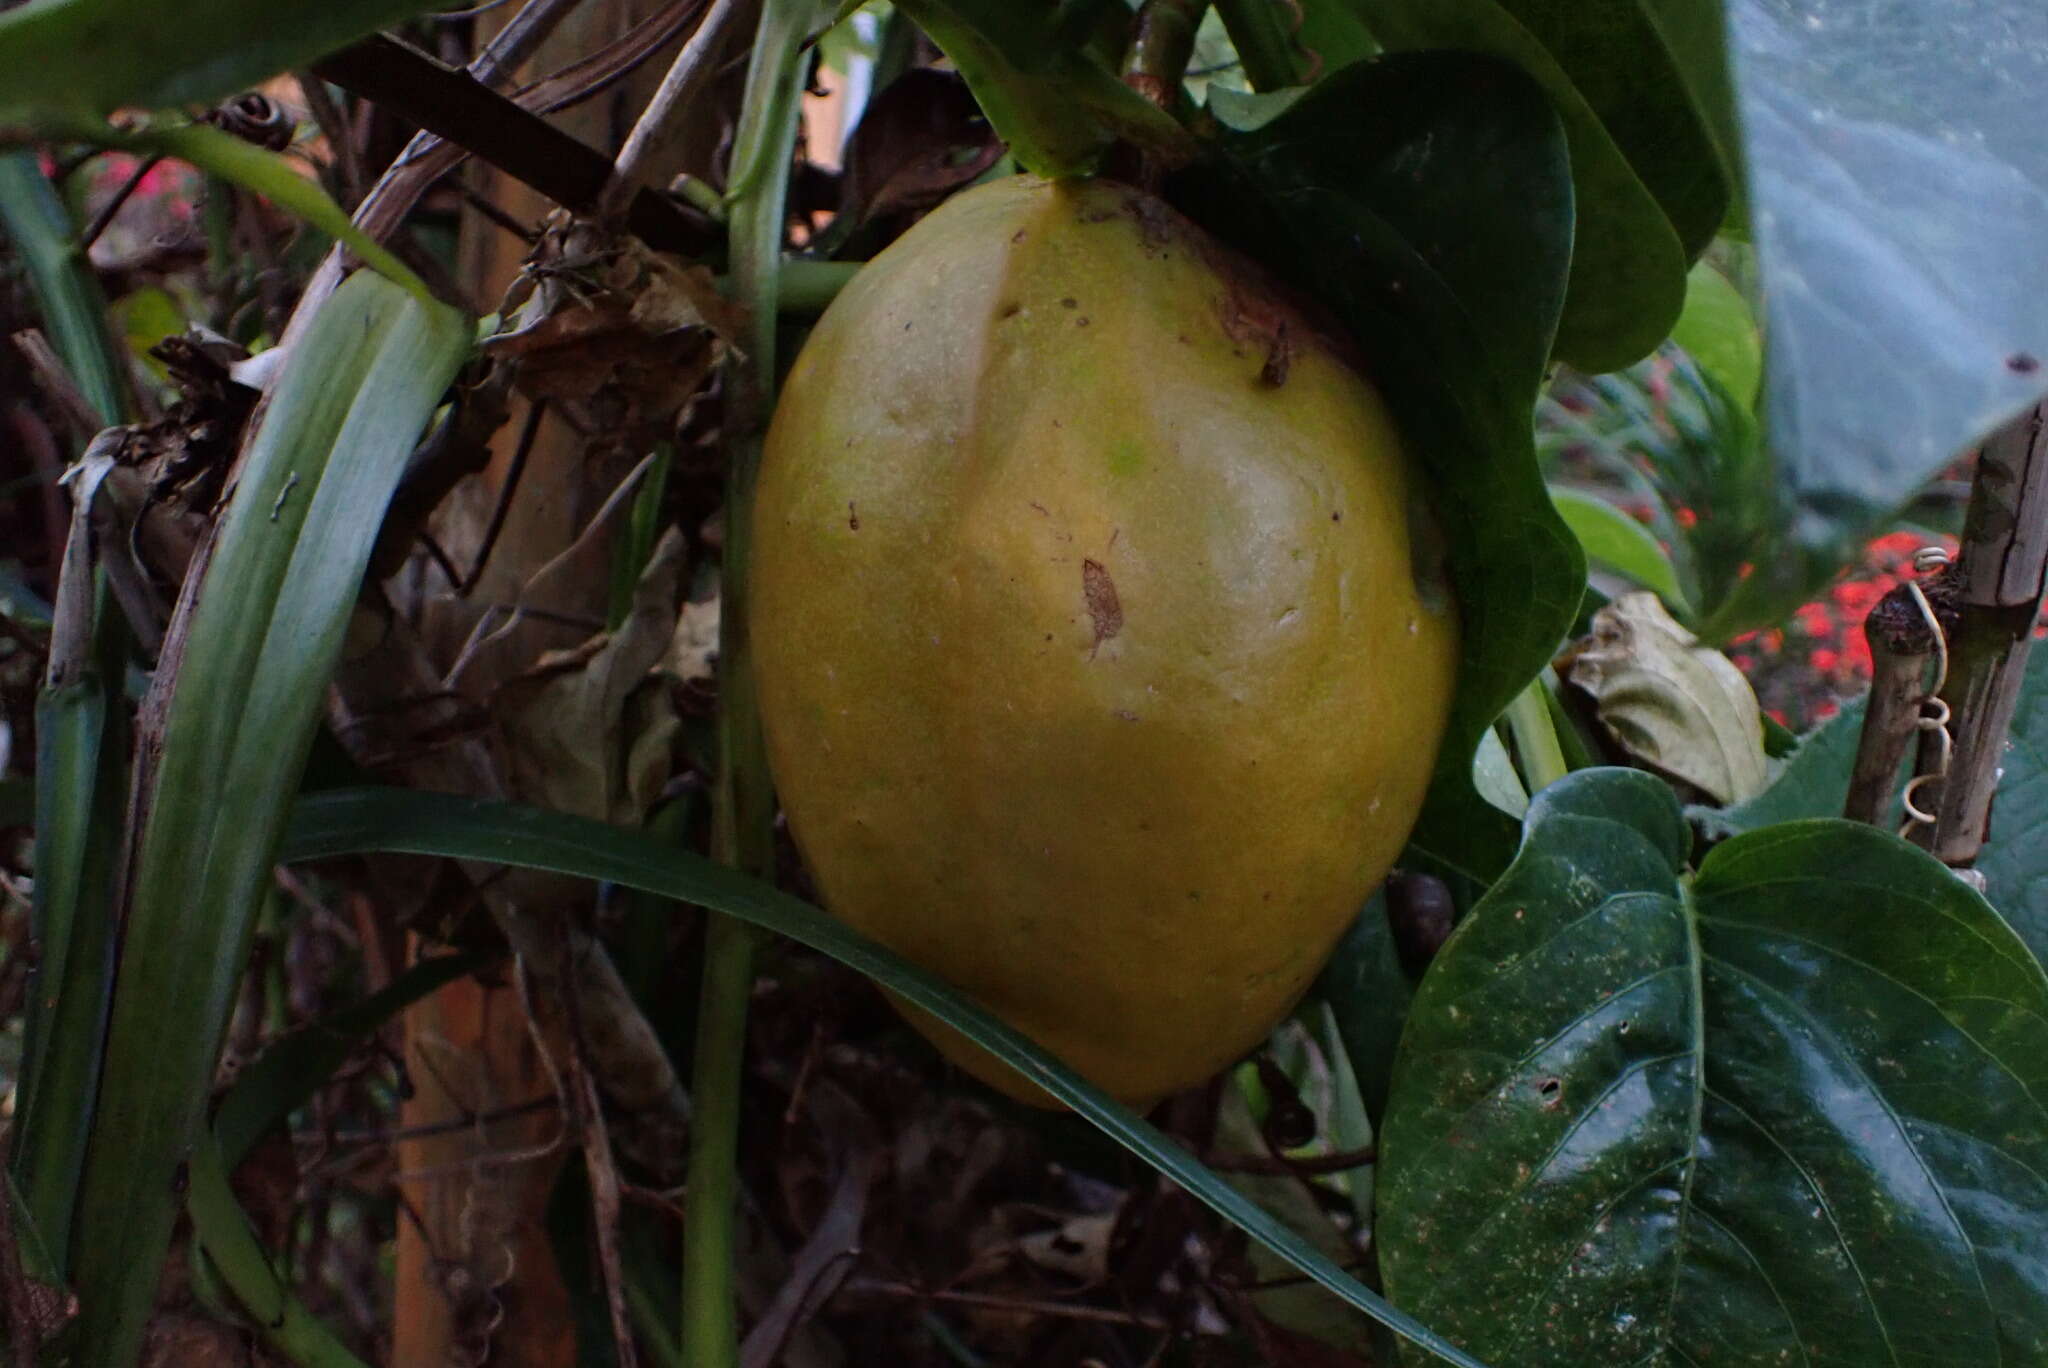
(1804, 671)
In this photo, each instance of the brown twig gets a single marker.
(833, 1246)
(653, 130)
(334, 126)
(393, 1134)
(56, 382)
(41, 444)
(113, 205)
(1901, 645)
(1028, 1306)
(503, 132)
(2000, 574)
(598, 1167)
(1159, 53)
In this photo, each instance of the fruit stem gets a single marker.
(743, 808)
(1159, 56)
(1536, 743)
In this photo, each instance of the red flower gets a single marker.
(1815, 620)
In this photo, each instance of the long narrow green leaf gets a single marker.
(82, 748)
(73, 306)
(218, 1221)
(355, 821)
(258, 648)
(81, 792)
(292, 1069)
(274, 178)
(96, 56)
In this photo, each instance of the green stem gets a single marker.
(1158, 62)
(743, 802)
(808, 286)
(1536, 743)
(1264, 46)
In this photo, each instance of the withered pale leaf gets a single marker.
(1677, 706)
(585, 730)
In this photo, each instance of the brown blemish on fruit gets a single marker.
(1252, 319)
(1104, 609)
(1012, 310)
(852, 518)
(1158, 225)
(1070, 303)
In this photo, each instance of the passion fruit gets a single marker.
(1098, 672)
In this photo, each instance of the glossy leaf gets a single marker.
(1899, 192)
(1424, 199)
(93, 57)
(258, 647)
(1648, 188)
(1795, 1111)
(362, 820)
(1615, 541)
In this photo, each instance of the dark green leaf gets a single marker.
(232, 1246)
(68, 292)
(1695, 36)
(1796, 1112)
(82, 733)
(1615, 56)
(1899, 188)
(1424, 199)
(291, 1069)
(96, 56)
(1369, 997)
(1813, 783)
(259, 646)
(341, 823)
(1634, 142)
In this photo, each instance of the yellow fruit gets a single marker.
(1095, 668)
